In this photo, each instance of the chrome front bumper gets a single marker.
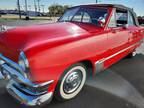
(20, 87)
(27, 98)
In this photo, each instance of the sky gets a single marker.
(137, 5)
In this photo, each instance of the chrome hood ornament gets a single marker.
(4, 28)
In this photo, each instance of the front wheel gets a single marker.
(71, 82)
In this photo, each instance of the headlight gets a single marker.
(23, 62)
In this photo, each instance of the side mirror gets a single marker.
(101, 21)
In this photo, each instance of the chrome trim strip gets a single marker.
(99, 66)
(100, 63)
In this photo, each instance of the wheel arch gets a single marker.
(90, 67)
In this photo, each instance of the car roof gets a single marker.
(107, 5)
(112, 6)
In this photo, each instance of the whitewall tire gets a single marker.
(71, 82)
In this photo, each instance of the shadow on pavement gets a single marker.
(88, 98)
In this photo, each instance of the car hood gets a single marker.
(24, 38)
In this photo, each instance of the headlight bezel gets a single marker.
(23, 62)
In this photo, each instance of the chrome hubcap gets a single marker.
(72, 82)
(134, 54)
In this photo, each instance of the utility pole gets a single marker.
(29, 7)
(43, 7)
(26, 6)
(39, 5)
(19, 9)
(96, 1)
(35, 6)
(26, 10)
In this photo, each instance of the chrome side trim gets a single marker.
(99, 66)
(100, 63)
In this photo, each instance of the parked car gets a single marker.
(2, 12)
(54, 60)
(141, 21)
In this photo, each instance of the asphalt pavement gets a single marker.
(120, 86)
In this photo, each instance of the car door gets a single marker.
(134, 30)
(118, 35)
(97, 44)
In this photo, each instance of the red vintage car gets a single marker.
(54, 60)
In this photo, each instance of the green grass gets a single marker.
(4, 20)
(16, 17)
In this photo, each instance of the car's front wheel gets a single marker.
(71, 82)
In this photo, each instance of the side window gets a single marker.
(131, 21)
(78, 17)
(86, 18)
(121, 17)
(112, 22)
(82, 17)
(69, 14)
(95, 16)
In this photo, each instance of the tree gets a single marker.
(139, 17)
(65, 7)
(57, 10)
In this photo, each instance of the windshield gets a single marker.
(85, 15)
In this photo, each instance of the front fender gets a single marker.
(49, 63)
